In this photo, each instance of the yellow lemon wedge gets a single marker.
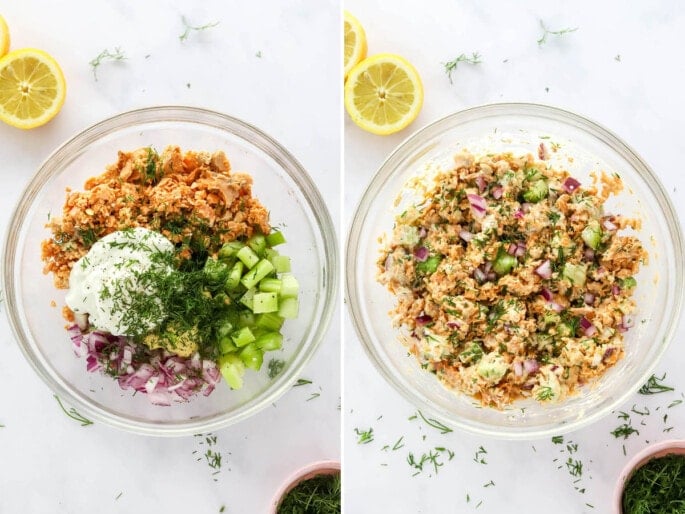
(4, 37)
(355, 42)
(32, 88)
(383, 94)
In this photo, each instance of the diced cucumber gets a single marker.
(289, 286)
(246, 319)
(592, 234)
(430, 265)
(224, 328)
(575, 273)
(269, 341)
(275, 238)
(234, 276)
(248, 298)
(265, 302)
(243, 337)
(281, 263)
(270, 285)
(289, 308)
(472, 353)
(269, 321)
(215, 271)
(226, 345)
(504, 262)
(628, 283)
(232, 368)
(257, 273)
(258, 244)
(228, 250)
(222, 299)
(248, 257)
(252, 357)
(532, 174)
(537, 191)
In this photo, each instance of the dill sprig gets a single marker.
(364, 436)
(301, 382)
(451, 66)
(211, 456)
(546, 32)
(654, 385)
(432, 458)
(479, 457)
(106, 55)
(73, 414)
(191, 28)
(434, 423)
(275, 367)
(657, 486)
(318, 495)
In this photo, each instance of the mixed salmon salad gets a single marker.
(510, 279)
(172, 273)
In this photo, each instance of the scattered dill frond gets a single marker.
(192, 28)
(558, 439)
(73, 414)
(364, 436)
(654, 385)
(451, 66)
(625, 430)
(479, 457)
(301, 382)
(275, 367)
(546, 32)
(435, 424)
(106, 55)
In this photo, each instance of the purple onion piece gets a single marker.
(518, 214)
(422, 232)
(518, 368)
(478, 205)
(424, 319)
(608, 353)
(531, 365)
(589, 298)
(479, 275)
(608, 224)
(547, 294)
(511, 250)
(556, 307)
(481, 183)
(544, 270)
(570, 185)
(465, 235)
(615, 290)
(421, 253)
(589, 254)
(497, 192)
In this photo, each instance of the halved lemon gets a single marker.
(355, 42)
(383, 94)
(4, 37)
(32, 88)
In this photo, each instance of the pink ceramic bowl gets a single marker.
(324, 467)
(642, 457)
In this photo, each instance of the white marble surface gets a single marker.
(274, 64)
(640, 98)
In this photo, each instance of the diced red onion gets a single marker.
(422, 232)
(465, 235)
(520, 250)
(589, 298)
(608, 353)
(525, 207)
(615, 290)
(512, 248)
(478, 205)
(556, 307)
(518, 368)
(608, 224)
(546, 294)
(544, 270)
(81, 320)
(570, 185)
(589, 254)
(421, 254)
(481, 183)
(518, 214)
(585, 323)
(531, 365)
(491, 276)
(388, 262)
(542, 152)
(454, 325)
(479, 275)
(587, 327)
(497, 192)
(423, 319)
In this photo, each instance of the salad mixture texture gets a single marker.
(510, 279)
(172, 271)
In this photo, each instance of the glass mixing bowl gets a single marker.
(519, 128)
(280, 183)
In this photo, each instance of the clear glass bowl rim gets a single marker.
(417, 140)
(216, 120)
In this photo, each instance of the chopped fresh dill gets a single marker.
(191, 28)
(654, 385)
(399, 444)
(314, 395)
(489, 484)
(545, 393)
(106, 55)
(318, 495)
(657, 486)
(73, 414)
(432, 458)
(301, 382)
(479, 457)
(546, 32)
(118, 495)
(435, 424)
(451, 66)
(275, 367)
(364, 436)
(558, 439)
(625, 430)
(575, 467)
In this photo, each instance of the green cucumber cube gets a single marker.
(252, 357)
(275, 238)
(226, 345)
(234, 276)
(289, 308)
(269, 341)
(228, 250)
(243, 337)
(215, 271)
(265, 302)
(281, 263)
(289, 286)
(248, 257)
(258, 244)
(270, 285)
(257, 273)
(224, 328)
(269, 321)
(248, 298)
(246, 319)
(232, 368)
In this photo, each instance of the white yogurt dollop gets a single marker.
(106, 284)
